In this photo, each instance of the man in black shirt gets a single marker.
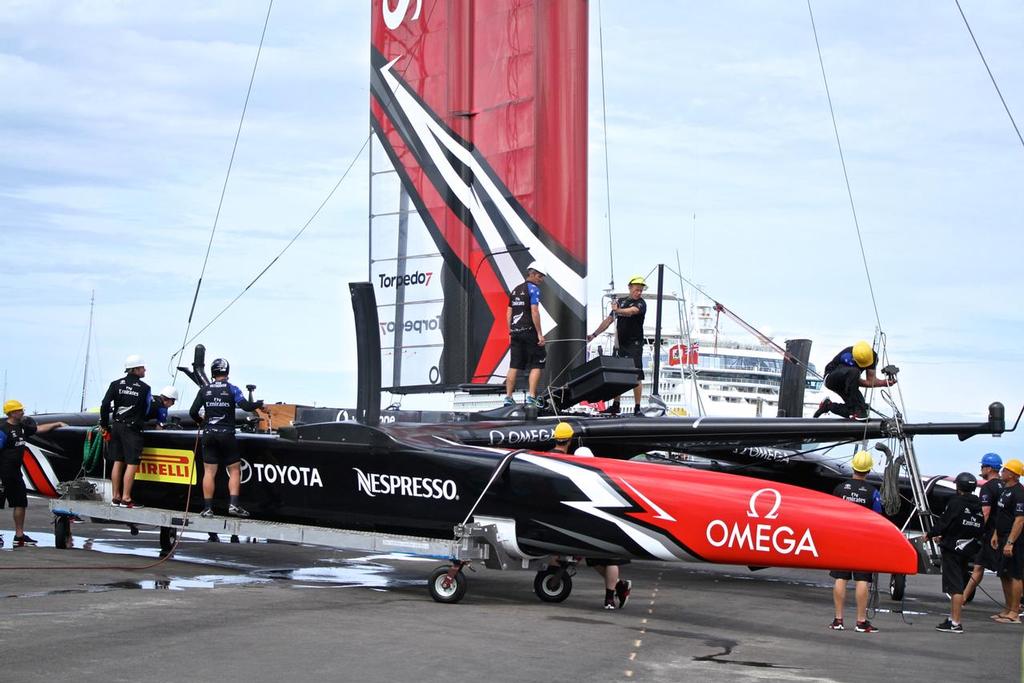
(986, 558)
(856, 490)
(14, 432)
(842, 375)
(629, 312)
(526, 336)
(218, 401)
(958, 529)
(1006, 540)
(123, 411)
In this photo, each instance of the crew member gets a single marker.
(958, 529)
(218, 401)
(856, 490)
(526, 336)
(13, 434)
(122, 414)
(615, 588)
(628, 312)
(843, 376)
(163, 401)
(1007, 540)
(989, 495)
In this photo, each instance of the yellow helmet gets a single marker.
(862, 462)
(638, 280)
(563, 431)
(11, 406)
(863, 355)
(1015, 466)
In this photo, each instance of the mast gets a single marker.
(88, 347)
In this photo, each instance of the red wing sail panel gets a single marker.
(480, 111)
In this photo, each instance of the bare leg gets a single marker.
(19, 521)
(116, 477)
(611, 577)
(972, 583)
(209, 473)
(838, 596)
(129, 479)
(637, 394)
(1016, 586)
(510, 381)
(534, 380)
(861, 590)
(956, 607)
(235, 479)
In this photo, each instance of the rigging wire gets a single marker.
(223, 191)
(270, 264)
(990, 75)
(607, 174)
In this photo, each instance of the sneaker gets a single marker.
(622, 589)
(23, 540)
(131, 504)
(823, 407)
(115, 502)
(207, 513)
(609, 603)
(866, 627)
(636, 411)
(613, 409)
(837, 625)
(947, 626)
(237, 511)
(509, 401)
(533, 401)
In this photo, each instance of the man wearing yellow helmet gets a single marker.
(14, 434)
(629, 312)
(843, 376)
(1007, 540)
(858, 491)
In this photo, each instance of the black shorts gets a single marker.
(220, 449)
(125, 444)
(986, 556)
(954, 572)
(1011, 567)
(13, 485)
(605, 562)
(526, 354)
(846, 576)
(636, 352)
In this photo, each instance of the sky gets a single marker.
(117, 121)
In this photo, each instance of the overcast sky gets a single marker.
(117, 121)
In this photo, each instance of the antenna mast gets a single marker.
(88, 347)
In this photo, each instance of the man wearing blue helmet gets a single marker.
(989, 495)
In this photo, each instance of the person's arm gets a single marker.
(243, 403)
(49, 427)
(1014, 536)
(105, 407)
(876, 501)
(535, 314)
(945, 520)
(508, 317)
(602, 327)
(871, 380)
(193, 412)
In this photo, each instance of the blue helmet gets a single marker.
(991, 460)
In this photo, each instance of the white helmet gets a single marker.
(584, 452)
(133, 361)
(535, 265)
(169, 392)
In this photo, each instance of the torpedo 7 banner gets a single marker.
(479, 114)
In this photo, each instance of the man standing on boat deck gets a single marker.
(1007, 541)
(989, 495)
(122, 413)
(856, 490)
(842, 375)
(218, 401)
(13, 434)
(526, 336)
(629, 312)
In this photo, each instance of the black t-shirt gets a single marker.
(12, 443)
(218, 401)
(845, 358)
(989, 495)
(857, 491)
(630, 328)
(127, 401)
(1009, 507)
(521, 301)
(961, 520)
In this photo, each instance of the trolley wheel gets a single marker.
(897, 586)
(168, 536)
(443, 588)
(62, 532)
(133, 530)
(552, 584)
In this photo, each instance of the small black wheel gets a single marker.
(168, 536)
(61, 532)
(133, 530)
(897, 586)
(443, 588)
(552, 584)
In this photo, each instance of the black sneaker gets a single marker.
(613, 409)
(823, 407)
(866, 627)
(115, 502)
(609, 603)
(622, 589)
(23, 540)
(237, 511)
(837, 625)
(948, 626)
(131, 504)
(636, 411)
(207, 513)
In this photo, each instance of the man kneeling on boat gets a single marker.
(843, 376)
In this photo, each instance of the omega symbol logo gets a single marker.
(773, 512)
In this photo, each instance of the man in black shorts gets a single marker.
(856, 490)
(526, 336)
(986, 558)
(958, 529)
(14, 432)
(123, 412)
(217, 401)
(629, 312)
(1007, 540)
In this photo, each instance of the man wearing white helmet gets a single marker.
(162, 402)
(526, 336)
(123, 412)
